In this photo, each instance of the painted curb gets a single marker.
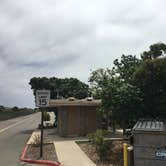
(42, 162)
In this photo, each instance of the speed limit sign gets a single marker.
(42, 98)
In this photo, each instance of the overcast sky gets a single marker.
(68, 38)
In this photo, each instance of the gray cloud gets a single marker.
(67, 38)
(49, 63)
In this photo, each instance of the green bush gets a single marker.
(46, 116)
(102, 147)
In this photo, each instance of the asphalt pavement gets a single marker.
(14, 134)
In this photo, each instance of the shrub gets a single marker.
(2, 107)
(15, 108)
(102, 147)
(46, 116)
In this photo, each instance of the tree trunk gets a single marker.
(113, 126)
(124, 129)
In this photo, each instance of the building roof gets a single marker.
(150, 125)
(74, 102)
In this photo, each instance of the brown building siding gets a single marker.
(77, 120)
(73, 121)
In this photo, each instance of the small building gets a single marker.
(76, 117)
(149, 143)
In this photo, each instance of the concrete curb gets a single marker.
(41, 162)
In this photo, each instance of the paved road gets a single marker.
(13, 137)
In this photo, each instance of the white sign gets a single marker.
(42, 98)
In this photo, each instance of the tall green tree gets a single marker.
(133, 88)
(126, 103)
(150, 77)
(126, 66)
(99, 80)
(155, 51)
(67, 87)
(118, 96)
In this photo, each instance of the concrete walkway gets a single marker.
(70, 154)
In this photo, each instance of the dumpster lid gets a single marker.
(149, 125)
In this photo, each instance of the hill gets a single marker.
(8, 113)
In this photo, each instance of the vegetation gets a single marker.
(150, 77)
(155, 51)
(46, 116)
(8, 113)
(102, 147)
(60, 88)
(121, 100)
(133, 88)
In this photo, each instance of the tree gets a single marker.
(118, 96)
(126, 66)
(15, 108)
(67, 87)
(122, 102)
(155, 51)
(126, 103)
(150, 77)
(133, 88)
(99, 79)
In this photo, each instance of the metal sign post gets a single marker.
(41, 136)
(42, 101)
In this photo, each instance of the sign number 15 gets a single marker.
(43, 102)
(42, 98)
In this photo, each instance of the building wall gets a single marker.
(73, 126)
(91, 120)
(77, 120)
(62, 121)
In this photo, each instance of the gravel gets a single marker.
(49, 153)
(115, 157)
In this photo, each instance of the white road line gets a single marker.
(15, 124)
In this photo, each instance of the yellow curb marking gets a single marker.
(15, 124)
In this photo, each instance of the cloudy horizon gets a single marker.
(69, 38)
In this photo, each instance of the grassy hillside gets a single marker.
(8, 113)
